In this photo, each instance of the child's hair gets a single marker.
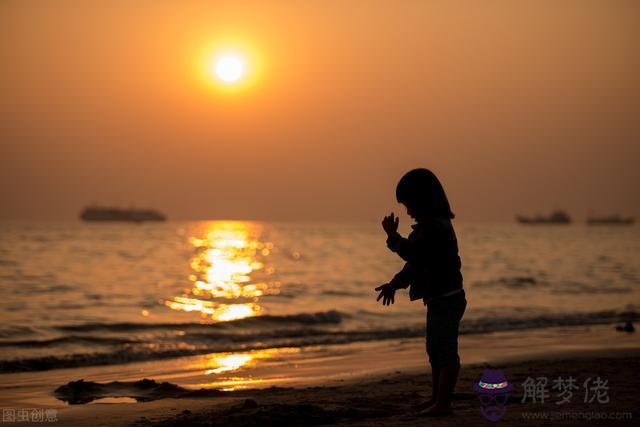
(420, 190)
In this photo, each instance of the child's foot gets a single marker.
(437, 410)
(424, 405)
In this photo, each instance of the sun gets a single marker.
(229, 68)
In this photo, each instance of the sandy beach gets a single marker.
(388, 401)
(369, 384)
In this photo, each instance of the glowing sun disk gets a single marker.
(229, 68)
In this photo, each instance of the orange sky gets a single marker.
(517, 106)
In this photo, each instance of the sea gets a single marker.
(79, 294)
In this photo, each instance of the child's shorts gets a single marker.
(443, 322)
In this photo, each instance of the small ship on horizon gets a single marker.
(610, 220)
(561, 217)
(556, 217)
(95, 213)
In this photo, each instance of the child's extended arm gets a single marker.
(402, 278)
(399, 281)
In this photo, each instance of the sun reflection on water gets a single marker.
(226, 256)
(241, 366)
(228, 363)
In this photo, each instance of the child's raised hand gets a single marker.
(390, 223)
(387, 293)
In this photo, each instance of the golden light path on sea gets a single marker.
(225, 257)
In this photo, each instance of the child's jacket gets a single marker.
(433, 265)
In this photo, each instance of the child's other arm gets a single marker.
(395, 241)
(408, 248)
(399, 245)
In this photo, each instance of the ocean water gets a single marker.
(81, 294)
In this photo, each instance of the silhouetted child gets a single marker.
(432, 271)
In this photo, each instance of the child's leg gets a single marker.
(435, 377)
(435, 368)
(445, 320)
(435, 380)
(446, 387)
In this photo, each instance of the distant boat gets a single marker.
(557, 217)
(610, 220)
(121, 215)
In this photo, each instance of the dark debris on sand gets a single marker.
(79, 392)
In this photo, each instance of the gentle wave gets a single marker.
(198, 342)
(325, 317)
(71, 339)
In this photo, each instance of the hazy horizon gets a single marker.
(518, 108)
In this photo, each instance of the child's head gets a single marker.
(421, 192)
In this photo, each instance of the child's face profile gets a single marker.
(410, 212)
(413, 212)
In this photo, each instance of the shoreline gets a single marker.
(387, 400)
(301, 366)
(337, 372)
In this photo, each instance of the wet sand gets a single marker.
(366, 394)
